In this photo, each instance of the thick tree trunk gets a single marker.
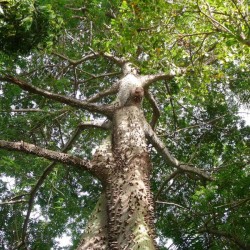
(130, 207)
(123, 165)
(95, 235)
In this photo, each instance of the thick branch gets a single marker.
(118, 60)
(149, 79)
(156, 110)
(46, 153)
(173, 162)
(105, 110)
(110, 91)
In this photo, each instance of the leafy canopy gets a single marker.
(200, 118)
(26, 25)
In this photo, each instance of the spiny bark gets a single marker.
(123, 165)
(123, 217)
(95, 235)
(130, 206)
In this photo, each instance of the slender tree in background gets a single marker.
(120, 122)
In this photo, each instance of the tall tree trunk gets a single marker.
(124, 167)
(130, 207)
(95, 235)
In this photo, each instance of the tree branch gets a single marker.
(12, 202)
(171, 204)
(149, 79)
(226, 235)
(173, 162)
(118, 60)
(167, 179)
(172, 106)
(220, 27)
(94, 77)
(76, 62)
(46, 153)
(240, 12)
(23, 111)
(156, 110)
(104, 110)
(50, 168)
(110, 91)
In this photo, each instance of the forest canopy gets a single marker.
(60, 65)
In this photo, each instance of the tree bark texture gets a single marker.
(123, 217)
(122, 163)
(130, 207)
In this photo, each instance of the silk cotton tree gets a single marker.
(124, 218)
(140, 76)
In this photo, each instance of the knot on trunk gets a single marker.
(137, 94)
(130, 90)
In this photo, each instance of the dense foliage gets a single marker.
(206, 44)
(25, 25)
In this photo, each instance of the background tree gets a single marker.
(193, 60)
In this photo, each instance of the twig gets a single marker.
(172, 105)
(77, 62)
(99, 76)
(167, 179)
(172, 204)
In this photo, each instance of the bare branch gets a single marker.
(167, 179)
(149, 79)
(172, 204)
(220, 27)
(118, 60)
(94, 77)
(76, 62)
(12, 202)
(33, 192)
(172, 161)
(172, 105)
(104, 110)
(217, 24)
(156, 110)
(242, 15)
(234, 204)
(110, 91)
